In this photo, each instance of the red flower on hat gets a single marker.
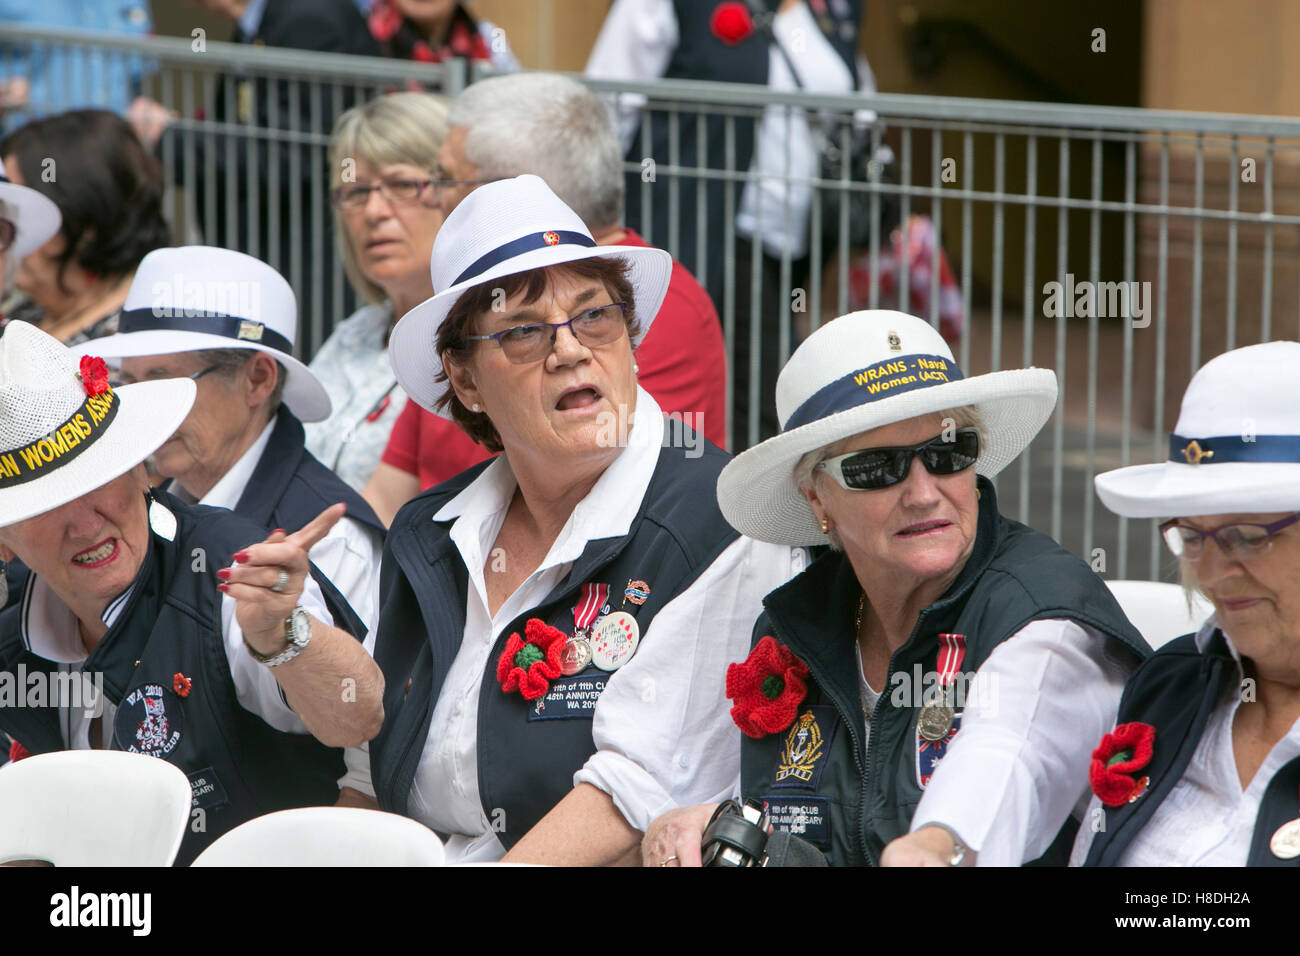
(181, 684)
(17, 751)
(529, 665)
(1123, 751)
(766, 689)
(94, 375)
(731, 22)
(550, 238)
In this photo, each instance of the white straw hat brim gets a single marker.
(413, 345)
(756, 490)
(1171, 489)
(148, 414)
(305, 396)
(38, 220)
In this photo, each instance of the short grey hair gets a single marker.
(805, 470)
(228, 361)
(550, 126)
(405, 128)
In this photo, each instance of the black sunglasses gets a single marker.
(873, 468)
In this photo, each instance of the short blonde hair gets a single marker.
(405, 128)
(805, 471)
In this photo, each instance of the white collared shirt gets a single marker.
(1207, 819)
(662, 715)
(49, 630)
(349, 555)
(1019, 765)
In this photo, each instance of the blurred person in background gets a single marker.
(385, 220)
(39, 79)
(432, 31)
(109, 192)
(786, 45)
(555, 128)
(247, 103)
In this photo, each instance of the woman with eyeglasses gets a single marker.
(915, 697)
(555, 622)
(385, 219)
(1202, 767)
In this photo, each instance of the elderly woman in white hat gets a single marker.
(934, 629)
(28, 220)
(1202, 767)
(210, 642)
(228, 321)
(555, 622)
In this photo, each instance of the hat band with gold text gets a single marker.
(871, 384)
(81, 430)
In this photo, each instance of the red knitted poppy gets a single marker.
(529, 665)
(1121, 753)
(766, 688)
(94, 375)
(731, 22)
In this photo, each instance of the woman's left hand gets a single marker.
(928, 846)
(267, 579)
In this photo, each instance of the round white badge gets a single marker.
(614, 640)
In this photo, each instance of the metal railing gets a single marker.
(1200, 210)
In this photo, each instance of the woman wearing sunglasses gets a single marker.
(915, 695)
(555, 622)
(1203, 765)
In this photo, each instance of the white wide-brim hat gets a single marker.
(35, 217)
(1235, 448)
(194, 298)
(58, 443)
(500, 229)
(862, 371)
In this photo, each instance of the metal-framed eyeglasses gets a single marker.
(396, 191)
(1239, 541)
(524, 344)
(873, 468)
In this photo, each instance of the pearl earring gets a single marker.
(477, 407)
(635, 368)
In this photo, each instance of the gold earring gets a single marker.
(826, 526)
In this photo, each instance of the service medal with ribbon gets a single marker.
(576, 654)
(936, 717)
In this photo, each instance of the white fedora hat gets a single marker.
(35, 216)
(194, 298)
(500, 229)
(58, 441)
(1235, 449)
(859, 372)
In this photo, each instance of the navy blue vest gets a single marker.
(700, 55)
(527, 755)
(1176, 691)
(239, 766)
(289, 487)
(848, 803)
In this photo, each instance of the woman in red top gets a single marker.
(432, 31)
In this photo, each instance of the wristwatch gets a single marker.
(297, 635)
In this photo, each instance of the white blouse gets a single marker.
(1207, 819)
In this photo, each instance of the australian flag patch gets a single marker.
(930, 752)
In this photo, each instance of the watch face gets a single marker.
(299, 630)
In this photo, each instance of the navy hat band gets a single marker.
(517, 247)
(229, 326)
(1223, 449)
(871, 384)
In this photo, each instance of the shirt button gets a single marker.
(683, 761)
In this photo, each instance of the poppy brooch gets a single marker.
(529, 665)
(766, 688)
(1120, 755)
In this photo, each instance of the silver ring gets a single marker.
(666, 861)
(280, 582)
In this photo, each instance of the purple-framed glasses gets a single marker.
(1239, 541)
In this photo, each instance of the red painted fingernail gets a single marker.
(223, 574)
(241, 557)
(223, 588)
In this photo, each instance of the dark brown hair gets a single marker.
(612, 272)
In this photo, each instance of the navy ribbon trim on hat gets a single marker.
(871, 384)
(1222, 449)
(230, 326)
(65, 442)
(517, 247)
